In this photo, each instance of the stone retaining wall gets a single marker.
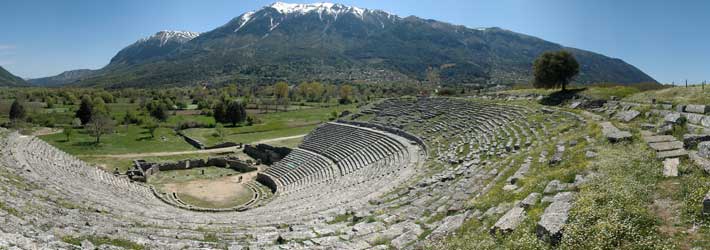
(148, 169)
(192, 141)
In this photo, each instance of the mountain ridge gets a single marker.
(8, 79)
(339, 43)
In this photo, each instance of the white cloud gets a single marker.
(6, 62)
(7, 47)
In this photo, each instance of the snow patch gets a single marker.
(166, 36)
(244, 19)
(320, 8)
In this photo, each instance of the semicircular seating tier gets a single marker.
(333, 151)
(372, 166)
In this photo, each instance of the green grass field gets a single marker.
(675, 95)
(272, 125)
(127, 139)
(592, 92)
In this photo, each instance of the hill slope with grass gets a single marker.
(8, 79)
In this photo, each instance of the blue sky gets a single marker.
(669, 40)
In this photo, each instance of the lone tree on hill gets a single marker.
(17, 111)
(99, 125)
(555, 69)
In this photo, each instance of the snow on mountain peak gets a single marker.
(172, 35)
(327, 8)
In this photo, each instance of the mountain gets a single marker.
(160, 44)
(338, 43)
(8, 79)
(66, 77)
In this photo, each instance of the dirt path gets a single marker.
(280, 139)
(47, 131)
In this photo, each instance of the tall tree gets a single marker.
(100, 125)
(220, 112)
(555, 69)
(85, 110)
(17, 111)
(281, 90)
(236, 112)
(346, 92)
(159, 110)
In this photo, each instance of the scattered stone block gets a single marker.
(509, 221)
(704, 149)
(627, 116)
(674, 118)
(530, 200)
(700, 161)
(672, 154)
(705, 122)
(557, 157)
(555, 186)
(449, 224)
(666, 146)
(613, 134)
(698, 109)
(706, 204)
(551, 225)
(590, 154)
(659, 138)
(665, 129)
(670, 167)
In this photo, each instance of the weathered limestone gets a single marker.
(704, 149)
(551, 225)
(659, 138)
(627, 116)
(530, 200)
(555, 186)
(672, 154)
(701, 162)
(674, 118)
(665, 146)
(698, 109)
(448, 225)
(613, 134)
(670, 167)
(557, 157)
(509, 221)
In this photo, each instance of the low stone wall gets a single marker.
(225, 145)
(192, 141)
(266, 154)
(143, 170)
(268, 181)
